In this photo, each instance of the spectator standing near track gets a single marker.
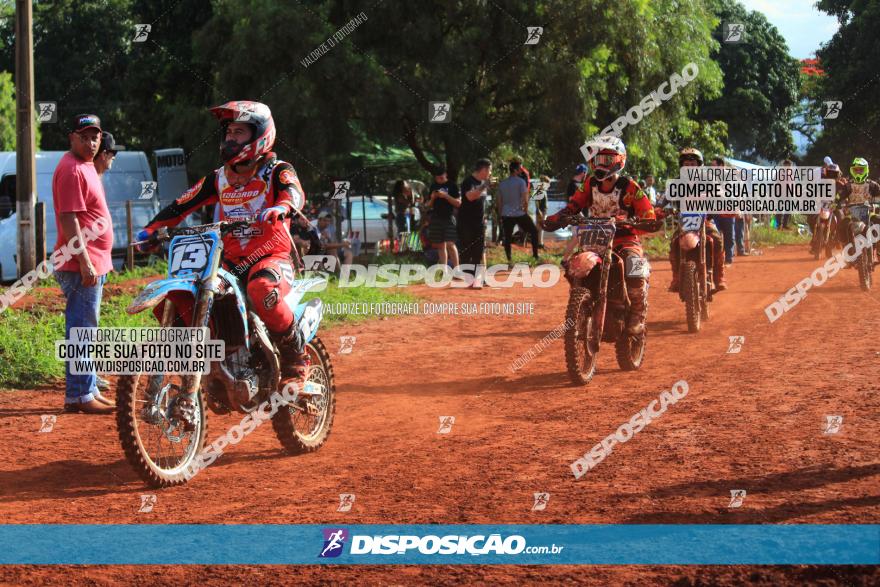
(404, 203)
(106, 153)
(103, 163)
(79, 202)
(306, 236)
(580, 174)
(650, 190)
(512, 202)
(540, 197)
(327, 232)
(726, 223)
(443, 199)
(472, 219)
(782, 219)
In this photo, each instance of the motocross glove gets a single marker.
(271, 215)
(145, 235)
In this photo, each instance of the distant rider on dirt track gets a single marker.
(830, 170)
(252, 182)
(690, 157)
(606, 193)
(859, 190)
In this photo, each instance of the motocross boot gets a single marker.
(295, 362)
(638, 309)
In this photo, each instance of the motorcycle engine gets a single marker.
(246, 378)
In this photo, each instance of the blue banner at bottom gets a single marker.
(518, 544)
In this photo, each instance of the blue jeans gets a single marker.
(725, 226)
(739, 228)
(83, 311)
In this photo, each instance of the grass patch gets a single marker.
(154, 268)
(27, 340)
(362, 294)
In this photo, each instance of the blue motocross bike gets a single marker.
(162, 419)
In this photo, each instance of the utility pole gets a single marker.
(25, 146)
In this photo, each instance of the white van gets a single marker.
(121, 183)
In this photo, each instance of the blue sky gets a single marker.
(799, 21)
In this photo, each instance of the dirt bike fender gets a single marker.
(158, 290)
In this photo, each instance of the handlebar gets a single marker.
(647, 225)
(224, 226)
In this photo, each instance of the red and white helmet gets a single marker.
(257, 116)
(609, 157)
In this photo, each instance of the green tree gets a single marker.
(761, 85)
(850, 62)
(8, 137)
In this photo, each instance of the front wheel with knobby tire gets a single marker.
(690, 292)
(581, 342)
(159, 443)
(305, 427)
(630, 350)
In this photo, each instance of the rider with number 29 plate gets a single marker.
(606, 193)
(252, 182)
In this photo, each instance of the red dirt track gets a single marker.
(752, 421)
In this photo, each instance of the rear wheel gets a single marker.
(581, 342)
(630, 350)
(690, 291)
(305, 427)
(152, 434)
(819, 244)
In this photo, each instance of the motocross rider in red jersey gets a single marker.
(606, 193)
(690, 157)
(252, 182)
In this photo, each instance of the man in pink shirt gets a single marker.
(78, 197)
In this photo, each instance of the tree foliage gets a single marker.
(369, 92)
(850, 62)
(761, 86)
